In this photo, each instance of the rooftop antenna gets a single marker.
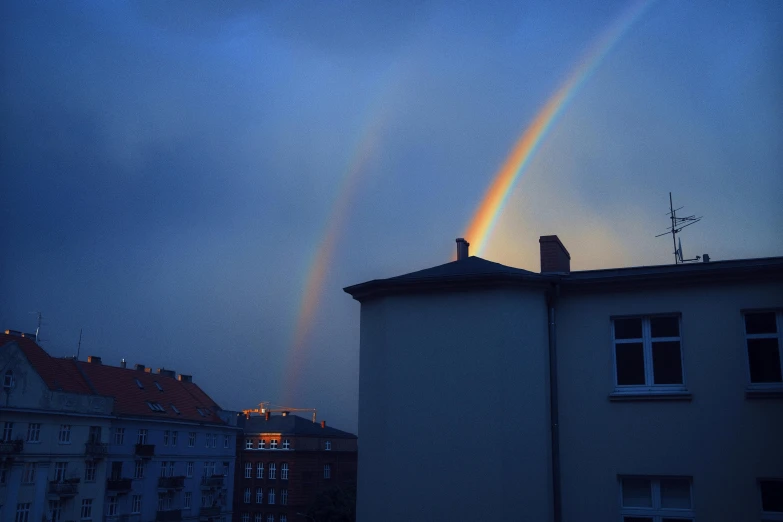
(678, 223)
(38, 328)
(79, 348)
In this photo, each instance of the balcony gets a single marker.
(213, 511)
(64, 489)
(121, 485)
(213, 481)
(96, 450)
(11, 447)
(171, 482)
(169, 515)
(122, 518)
(145, 451)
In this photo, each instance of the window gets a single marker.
(246, 498)
(272, 470)
(8, 429)
(166, 435)
(3, 471)
(119, 436)
(214, 440)
(95, 434)
(226, 468)
(59, 471)
(64, 436)
(187, 501)
(206, 440)
(116, 470)
(248, 469)
(55, 511)
(259, 496)
(175, 409)
(270, 497)
(284, 471)
(136, 504)
(261, 444)
(647, 499)
(189, 469)
(163, 467)
(260, 470)
(111, 506)
(141, 436)
(245, 517)
(22, 512)
(273, 444)
(138, 471)
(8, 380)
(270, 518)
(284, 497)
(156, 406)
(225, 441)
(86, 509)
(327, 471)
(771, 499)
(174, 435)
(28, 474)
(328, 445)
(647, 354)
(139, 384)
(286, 444)
(191, 439)
(34, 432)
(762, 338)
(283, 518)
(89, 471)
(158, 386)
(248, 443)
(258, 518)
(164, 502)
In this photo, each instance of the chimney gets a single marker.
(139, 367)
(123, 364)
(323, 424)
(462, 249)
(185, 378)
(94, 359)
(705, 258)
(266, 416)
(554, 256)
(167, 373)
(284, 413)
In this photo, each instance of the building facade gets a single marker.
(647, 394)
(285, 462)
(89, 441)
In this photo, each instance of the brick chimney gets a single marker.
(323, 423)
(462, 249)
(93, 359)
(554, 256)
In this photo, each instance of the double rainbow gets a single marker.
(491, 206)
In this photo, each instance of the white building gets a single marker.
(647, 394)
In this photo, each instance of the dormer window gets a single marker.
(328, 445)
(200, 412)
(8, 380)
(175, 409)
(273, 444)
(248, 443)
(158, 386)
(154, 406)
(261, 444)
(139, 384)
(286, 444)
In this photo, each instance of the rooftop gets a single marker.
(290, 425)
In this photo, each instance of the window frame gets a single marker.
(86, 511)
(33, 433)
(768, 516)
(656, 512)
(327, 471)
(649, 388)
(763, 386)
(64, 434)
(260, 470)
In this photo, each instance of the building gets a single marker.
(646, 394)
(89, 441)
(284, 462)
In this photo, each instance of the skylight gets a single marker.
(157, 384)
(200, 412)
(154, 406)
(175, 409)
(138, 383)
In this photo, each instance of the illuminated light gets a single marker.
(491, 206)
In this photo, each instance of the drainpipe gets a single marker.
(553, 405)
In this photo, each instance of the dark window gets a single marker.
(665, 326)
(630, 364)
(628, 328)
(772, 496)
(763, 344)
(759, 323)
(648, 351)
(667, 363)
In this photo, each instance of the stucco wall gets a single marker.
(453, 409)
(722, 439)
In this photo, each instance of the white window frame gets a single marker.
(138, 469)
(246, 497)
(769, 516)
(8, 380)
(166, 435)
(270, 497)
(779, 336)
(284, 471)
(248, 470)
(141, 436)
(328, 445)
(273, 444)
(174, 436)
(112, 506)
(283, 497)
(270, 518)
(327, 471)
(60, 470)
(34, 432)
(187, 500)
(258, 517)
(245, 517)
(248, 444)
(64, 435)
(260, 470)
(286, 444)
(119, 436)
(259, 496)
(28, 473)
(189, 469)
(90, 470)
(225, 441)
(86, 512)
(649, 387)
(191, 439)
(283, 518)
(136, 504)
(656, 512)
(22, 512)
(272, 471)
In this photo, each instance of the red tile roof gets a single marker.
(73, 376)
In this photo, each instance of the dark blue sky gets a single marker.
(168, 169)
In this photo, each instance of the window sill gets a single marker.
(771, 392)
(683, 395)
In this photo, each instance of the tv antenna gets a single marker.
(38, 328)
(678, 223)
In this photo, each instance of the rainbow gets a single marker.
(491, 206)
(318, 267)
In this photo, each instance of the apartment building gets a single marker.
(643, 394)
(285, 462)
(89, 441)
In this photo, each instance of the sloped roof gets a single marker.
(290, 425)
(58, 374)
(74, 376)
